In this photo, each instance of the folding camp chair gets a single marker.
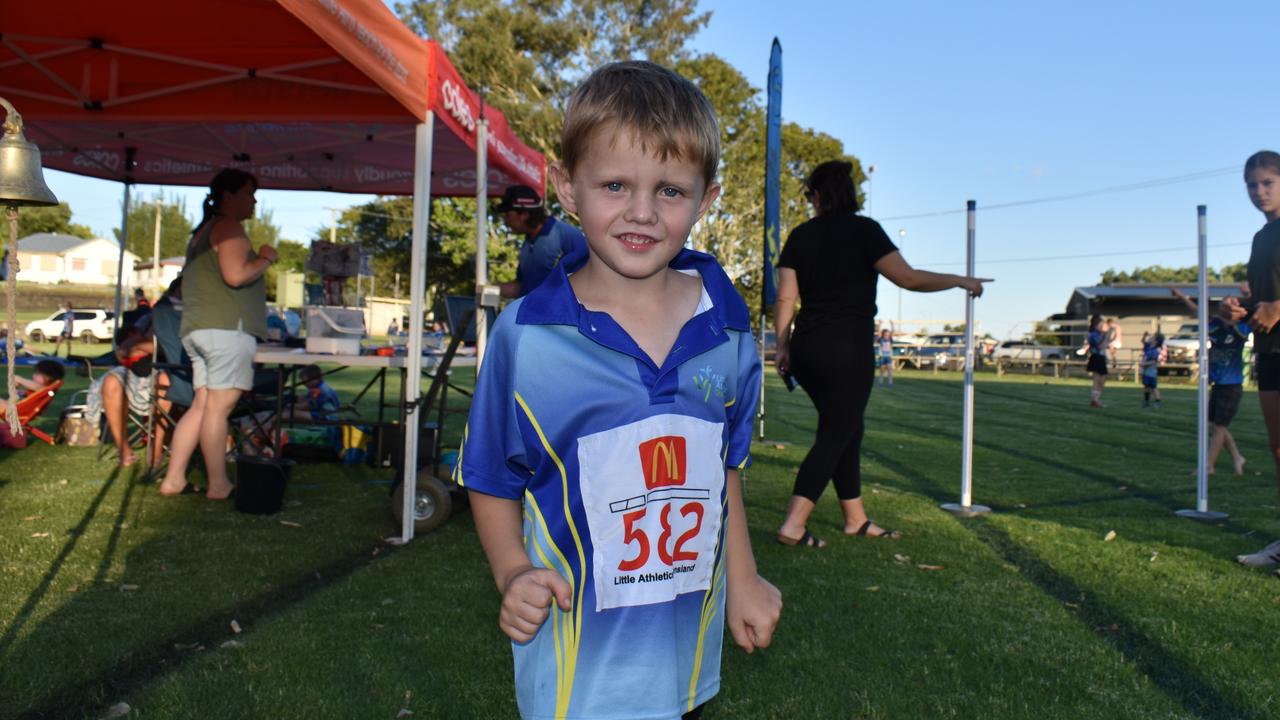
(165, 324)
(31, 406)
(139, 423)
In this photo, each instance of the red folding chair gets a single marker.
(31, 406)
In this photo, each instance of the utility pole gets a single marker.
(155, 250)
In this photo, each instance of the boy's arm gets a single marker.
(753, 604)
(527, 592)
(27, 383)
(1191, 304)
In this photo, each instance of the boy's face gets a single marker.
(635, 208)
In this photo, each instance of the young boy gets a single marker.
(320, 401)
(1153, 354)
(47, 372)
(612, 400)
(1226, 374)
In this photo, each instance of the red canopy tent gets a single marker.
(307, 94)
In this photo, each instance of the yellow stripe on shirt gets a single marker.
(576, 585)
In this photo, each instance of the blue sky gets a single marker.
(997, 102)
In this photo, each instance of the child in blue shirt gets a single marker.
(1153, 354)
(320, 401)
(611, 420)
(1226, 374)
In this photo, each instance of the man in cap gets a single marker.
(546, 239)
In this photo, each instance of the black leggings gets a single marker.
(836, 367)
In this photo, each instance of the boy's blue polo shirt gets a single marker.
(1226, 352)
(621, 467)
(540, 254)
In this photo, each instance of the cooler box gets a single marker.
(335, 330)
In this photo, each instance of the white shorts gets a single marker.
(221, 359)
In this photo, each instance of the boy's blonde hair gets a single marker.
(667, 114)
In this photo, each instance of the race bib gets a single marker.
(652, 492)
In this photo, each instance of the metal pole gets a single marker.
(902, 238)
(413, 345)
(966, 508)
(155, 251)
(124, 238)
(482, 234)
(1202, 511)
(760, 409)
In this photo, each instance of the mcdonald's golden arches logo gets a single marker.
(663, 461)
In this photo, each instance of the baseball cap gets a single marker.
(519, 197)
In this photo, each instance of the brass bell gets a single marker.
(21, 177)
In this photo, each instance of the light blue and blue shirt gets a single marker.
(540, 254)
(620, 464)
(323, 401)
(1226, 352)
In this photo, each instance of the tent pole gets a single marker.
(1202, 511)
(482, 234)
(124, 239)
(966, 508)
(417, 291)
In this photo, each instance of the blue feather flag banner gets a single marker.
(772, 179)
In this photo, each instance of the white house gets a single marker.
(170, 268)
(49, 258)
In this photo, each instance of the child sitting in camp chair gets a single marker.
(48, 374)
(319, 402)
(126, 391)
(315, 400)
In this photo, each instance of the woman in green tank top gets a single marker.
(224, 315)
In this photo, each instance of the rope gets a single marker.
(11, 411)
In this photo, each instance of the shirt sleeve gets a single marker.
(492, 459)
(877, 244)
(741, 414)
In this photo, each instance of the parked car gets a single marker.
(1184, 344)
(942, 348)
(1027, 351)
(90, 326)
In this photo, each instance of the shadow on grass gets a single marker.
(20, 618)
(1133, 490)
(140, 665)
(1177, 679)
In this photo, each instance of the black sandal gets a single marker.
(806, 540)
(885, 533)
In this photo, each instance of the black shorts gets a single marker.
(1097, 364)
(1267, 372)
(1224, 401)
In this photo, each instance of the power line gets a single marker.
(1052, 258)
(1143, 185)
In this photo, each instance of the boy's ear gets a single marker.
(708, 197)
(564, 187)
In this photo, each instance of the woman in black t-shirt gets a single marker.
(832, 263)
(1262, 307)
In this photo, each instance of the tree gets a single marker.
(1161, 274)
(384, 228)
(175, 228)
(50, 219)
(1046, 334)
(525, 57)
(262, 231)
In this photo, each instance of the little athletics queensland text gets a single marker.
(652, 576)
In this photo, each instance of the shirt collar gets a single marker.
(543, 230)
(553, 302)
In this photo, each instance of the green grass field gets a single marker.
(111, 594)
